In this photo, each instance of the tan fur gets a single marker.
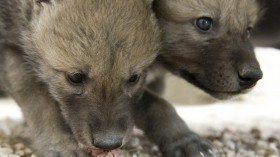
(104, 35)
(43, 42)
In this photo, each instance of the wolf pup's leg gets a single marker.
(51, 136)
(163, 125)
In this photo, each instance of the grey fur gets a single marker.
(217, 60)
(212, 61)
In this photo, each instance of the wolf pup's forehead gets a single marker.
(232, 12)
(94, 34)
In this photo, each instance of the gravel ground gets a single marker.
(229, 144)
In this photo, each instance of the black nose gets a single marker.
(249, 75)
(108, 143)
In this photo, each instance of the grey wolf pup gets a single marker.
(208, 44)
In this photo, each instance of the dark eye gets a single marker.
(248, 31)
(75, 78)
(134, 79)
(204, 23)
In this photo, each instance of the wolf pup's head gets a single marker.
(92, 54)
(207, 42)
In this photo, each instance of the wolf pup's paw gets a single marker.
(190, 145)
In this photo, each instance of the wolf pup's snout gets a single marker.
(249, 75)
(108, 142)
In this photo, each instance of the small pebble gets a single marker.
(5, 151)
(11, 155)
(20, 152)
(19, 146)
(256, 133)
(28, 151)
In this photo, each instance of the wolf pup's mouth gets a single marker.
(105, 153)
(218, 94)
(96, 152)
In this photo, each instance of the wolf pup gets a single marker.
(75, 67)
(208, 44)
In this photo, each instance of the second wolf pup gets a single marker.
(208, 44)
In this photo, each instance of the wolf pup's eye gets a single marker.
(134, 79)
(248, 32)
(75, 78)
(204, 23)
